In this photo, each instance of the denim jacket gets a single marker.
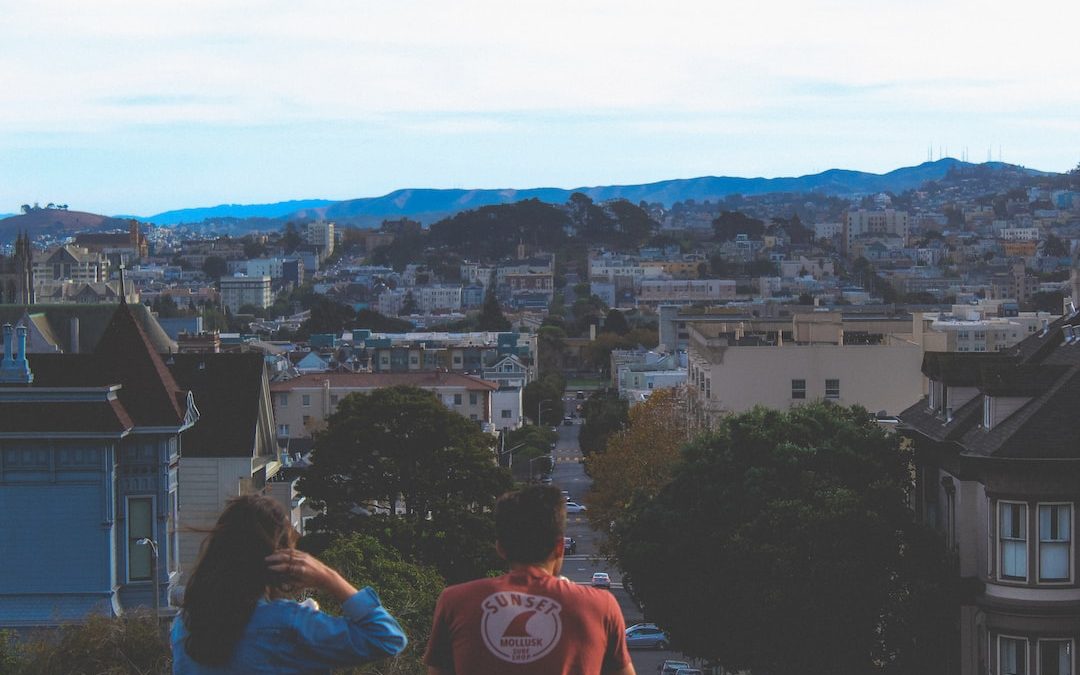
(287, 637)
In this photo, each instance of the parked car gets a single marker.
(579, 395)
(601, 580)
(646, 637)
(568, 422)
(574, 507)
(688, 671)
(670, 667)
(641, 625)
(569, 545)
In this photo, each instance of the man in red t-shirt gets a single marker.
(529, 621)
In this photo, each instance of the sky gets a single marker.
(123, 107)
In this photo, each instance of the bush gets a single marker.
(128, 645)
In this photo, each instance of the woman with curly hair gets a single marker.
(236, 618)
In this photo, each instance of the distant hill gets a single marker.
(430, 205)
(198, 215)
(56, 222)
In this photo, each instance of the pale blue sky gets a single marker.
(131, 107)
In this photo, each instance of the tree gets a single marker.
(215, 267)
(409, 591)
(372, 320)
(1055, 247)
(408, 305)
(402, 450)
(730, 224)
(291, 238)
(637, 461)
(615, 322)
(805, 558)
(605, 414)
(551, 349)
(327, 316)
(491, 316)
(165, 307)
(550, 387)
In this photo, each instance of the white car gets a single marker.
(574, 507)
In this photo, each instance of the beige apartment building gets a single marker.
(71, 263)
(734, 367)
(302, 404)
(685, 291)
(242, 290)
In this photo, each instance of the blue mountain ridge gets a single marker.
(430, 204)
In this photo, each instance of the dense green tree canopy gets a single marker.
(494, 232)
(730, 224)
(803, 555)
(605, 414)
(491, 316)
(409, 591)
(400, 448)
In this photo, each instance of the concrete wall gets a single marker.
(877, 377)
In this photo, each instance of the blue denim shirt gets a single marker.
(287, 637)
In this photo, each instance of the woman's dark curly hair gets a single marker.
(231, 575)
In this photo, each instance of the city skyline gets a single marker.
(113, 108)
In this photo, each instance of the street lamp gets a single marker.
(146, 541)
(539, 407)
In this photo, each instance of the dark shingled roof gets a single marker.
(1042, 370)
(65, 417)
(124, 356)
(150, 393)
(227, 390)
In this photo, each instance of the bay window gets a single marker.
(1055, 542)
(1055, 657)
(1012, 533)
(1012, 656)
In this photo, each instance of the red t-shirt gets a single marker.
(527, 622)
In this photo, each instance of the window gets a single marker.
(283, 400)
(140, 525)
(457, 399)
(832, 389)
(414, 360)
(473, 417)
(305, 400)
(798, 389)
(507, 414)
(333, 399)
(283, 430)
(1055, 657)
(307, 421)
(1054, 542)
(1012, 656)
(472, 398)
(1012, 529)
(173, 537)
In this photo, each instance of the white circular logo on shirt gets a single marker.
(519, 627)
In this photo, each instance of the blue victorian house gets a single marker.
(89, 449)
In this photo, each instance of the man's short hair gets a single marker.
(529, 522)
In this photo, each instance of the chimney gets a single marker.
(9, 355)
(74, 335)
(15, 369)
